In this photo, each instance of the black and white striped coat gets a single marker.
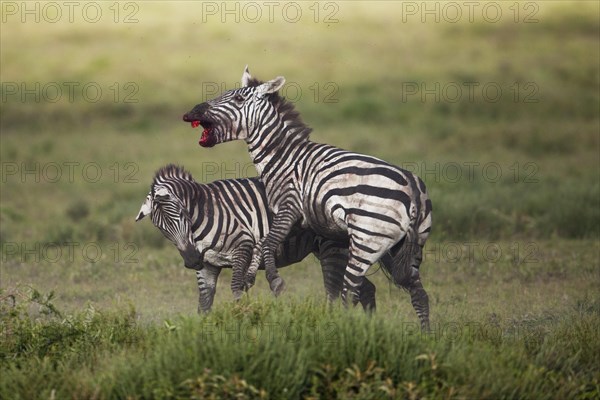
(221, 224)
(383, 211)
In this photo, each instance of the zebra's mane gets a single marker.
(172, 171)
(287, 110)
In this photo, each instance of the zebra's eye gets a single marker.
(238, 98)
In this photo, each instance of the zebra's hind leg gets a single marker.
(334, 258)
(353, 280)
(334, 280)
(360, 259)
(207, 287)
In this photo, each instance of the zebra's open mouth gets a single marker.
(198, 116)
(207, 139)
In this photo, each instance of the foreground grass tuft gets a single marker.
(297, 349)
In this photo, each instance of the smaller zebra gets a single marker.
(222, 225)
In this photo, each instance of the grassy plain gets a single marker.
(512, 267)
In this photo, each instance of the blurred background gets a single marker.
(494, 104)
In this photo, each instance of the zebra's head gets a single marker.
(237, 113)
(171, 217)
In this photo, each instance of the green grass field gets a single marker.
(499, 117)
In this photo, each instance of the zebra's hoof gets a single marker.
(277, 286)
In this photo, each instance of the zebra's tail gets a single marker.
(402, 262)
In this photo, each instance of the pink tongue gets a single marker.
(195, 124)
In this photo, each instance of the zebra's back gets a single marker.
(333, 183)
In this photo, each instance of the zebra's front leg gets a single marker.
(207, 287)
(254, 264)
(241, 260)
(282, 224)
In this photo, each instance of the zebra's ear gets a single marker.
(246, 77)
(271, 86)
(146, 208)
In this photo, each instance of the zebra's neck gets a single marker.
(272, 142)
(191, 196)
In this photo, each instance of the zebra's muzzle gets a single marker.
(192, 259)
